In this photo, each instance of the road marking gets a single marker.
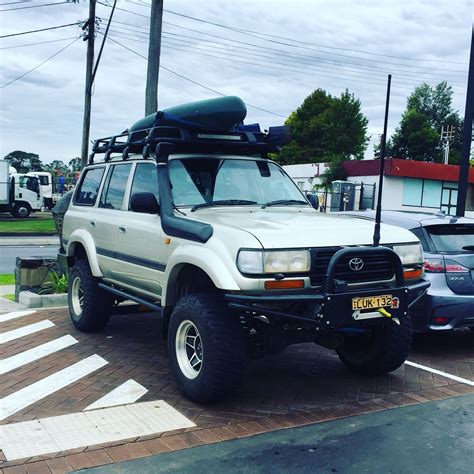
(105, 425)
(13, 315)
(129, 392)
(43, 350)
(50, 384)
(438, 372)
(24, 331)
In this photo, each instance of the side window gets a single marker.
(145, 180)
(86, 194)
(114, 189)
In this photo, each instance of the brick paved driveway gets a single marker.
(304, 384)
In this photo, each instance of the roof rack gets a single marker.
(235, 141)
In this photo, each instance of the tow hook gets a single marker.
(385, 313)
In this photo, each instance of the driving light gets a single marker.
(410, 254)
(273, 261)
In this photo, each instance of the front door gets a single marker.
(449, 198)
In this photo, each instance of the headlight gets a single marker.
(410, 254)
(273, 261)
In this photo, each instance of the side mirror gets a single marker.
(314, 201)
(145, 203)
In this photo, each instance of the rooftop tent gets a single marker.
(223, 113)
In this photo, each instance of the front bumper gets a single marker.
(325, 310)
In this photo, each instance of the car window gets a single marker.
(452, 238)
(44, 180)
(114, 189)
(87, 191)
(145, 180)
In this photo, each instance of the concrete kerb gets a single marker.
(33, 300)
(21, 241)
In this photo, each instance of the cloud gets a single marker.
(42, 112)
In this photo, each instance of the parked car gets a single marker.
(448, 244)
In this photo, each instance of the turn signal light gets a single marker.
(409, 274)
(444, 266)
(284, 284)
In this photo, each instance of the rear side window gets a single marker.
(452, 238)
(114, 189)
(145, 180)
(86, 194)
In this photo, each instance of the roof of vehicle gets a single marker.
(411, 219)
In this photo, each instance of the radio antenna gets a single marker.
(378, 212)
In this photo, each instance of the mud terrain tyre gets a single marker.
(89, 306)
(205, 347)
(383, 350)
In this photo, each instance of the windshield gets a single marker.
(452, 238)
(196, 181)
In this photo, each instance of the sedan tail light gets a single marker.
(436, 265)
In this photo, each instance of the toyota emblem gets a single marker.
(356, 264)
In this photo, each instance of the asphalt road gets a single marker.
(434, 437)
(8, 254)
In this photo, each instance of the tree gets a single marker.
(325, 127)
(56, 167)
(75, 164)
(418, 136)
(24, 161)
(333, 172)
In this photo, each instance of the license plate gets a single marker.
(371, 302)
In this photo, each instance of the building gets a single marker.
(306, 176)
(414, 185)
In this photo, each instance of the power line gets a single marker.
(193, 81)
(319, 59)
(42, 29)
(33, 6)
(14, 3)
(40, 64)
(267, 59)
(249, 33)
(40, 42)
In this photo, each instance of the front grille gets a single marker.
(377, 267)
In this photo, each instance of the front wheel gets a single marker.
(90, 307)
(21, 210)
(205, 347)
(378, 351)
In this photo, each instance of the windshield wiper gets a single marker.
(223, 202)
(284, 202)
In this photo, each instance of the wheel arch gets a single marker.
(81, 245)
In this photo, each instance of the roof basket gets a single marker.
(236, 141)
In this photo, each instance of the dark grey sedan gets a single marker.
(448, 244)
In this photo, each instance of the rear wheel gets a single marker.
(205, 347)
(380, 350)
(90, 307)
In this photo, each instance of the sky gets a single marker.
(288, 49)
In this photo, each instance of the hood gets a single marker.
(296, 227)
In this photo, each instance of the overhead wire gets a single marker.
(40, 64)
(192, 80)
(33, 6)
(42, 29)
(39, 42)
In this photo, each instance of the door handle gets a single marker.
(93, 223)
(122, 229)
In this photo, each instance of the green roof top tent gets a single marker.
(223, 113)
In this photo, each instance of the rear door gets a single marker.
(455, 243)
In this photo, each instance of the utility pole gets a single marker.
(154, 50)
(90, 25)
(466, 136)
(447, 136)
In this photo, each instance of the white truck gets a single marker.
(20, 194)
(46, 185)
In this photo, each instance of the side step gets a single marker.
(129, 296)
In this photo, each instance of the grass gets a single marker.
(9, 297)
(41, 224)
(7, 279)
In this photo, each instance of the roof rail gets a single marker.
(235, 141)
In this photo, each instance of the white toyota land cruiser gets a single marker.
(201, 227)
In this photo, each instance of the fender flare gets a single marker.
(206, 260)
(85, 239)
